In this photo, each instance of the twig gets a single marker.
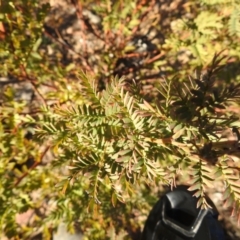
(151, 60)
(32, 83)
(32, 167)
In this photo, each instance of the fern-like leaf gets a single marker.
(202, 179)
(234, 22)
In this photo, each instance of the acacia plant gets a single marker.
(82, 138)
(116, 139)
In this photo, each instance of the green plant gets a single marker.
(118, 139)
(91, 148)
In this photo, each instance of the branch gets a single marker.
(32, 167)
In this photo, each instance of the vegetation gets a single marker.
(93, 135)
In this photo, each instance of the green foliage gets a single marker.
(96, 149)
(108, 140)
(120, 139)
(234, 22)
(21, 46)
(233, 8)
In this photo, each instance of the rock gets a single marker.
(63, 234)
